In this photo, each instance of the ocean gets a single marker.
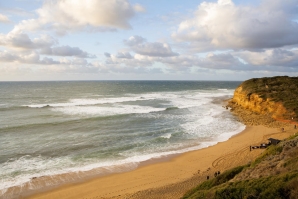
(93, 128)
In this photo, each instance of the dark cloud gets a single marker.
(66, 51)
(23, 41)
(107, 54)
(272, 57)
(124, 55)
(134, 41)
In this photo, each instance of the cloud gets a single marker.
(44, 43)
(126, 60)
(272, 57)
(17, 11)
(156, 49)
(25, 58)
(108, 55)
(134, 40)
(75, 61)
(125, 55)
(48, 61)
(223, 25)
(5, 56)
(222, 61)
(22, 41)
(4, 19)
(66, 51)
(72, 15)
(181, 62)
(31, 57)
(210, 61)
(139, 8)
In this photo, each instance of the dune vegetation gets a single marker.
(272, 175)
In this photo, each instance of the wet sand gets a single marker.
(171, 178)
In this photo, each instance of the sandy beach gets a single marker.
(172, 178)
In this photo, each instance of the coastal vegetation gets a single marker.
(274, 96)
(273, 175)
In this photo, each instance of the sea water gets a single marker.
(50, 128)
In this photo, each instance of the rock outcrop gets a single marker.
(275, 97)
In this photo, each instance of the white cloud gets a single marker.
(73, 15)
(223, 25)
(155, 49)
(139, 8)
(4, 19)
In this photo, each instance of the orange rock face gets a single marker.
(257, 104)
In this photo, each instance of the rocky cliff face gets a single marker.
(268, 96)
(257, 104)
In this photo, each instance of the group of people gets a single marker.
(215, 175)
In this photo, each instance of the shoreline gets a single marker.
(51, 182)
(170, 170)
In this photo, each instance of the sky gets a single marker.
(43, 40)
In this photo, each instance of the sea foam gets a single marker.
(73, 139)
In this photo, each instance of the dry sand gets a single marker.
(172, 178)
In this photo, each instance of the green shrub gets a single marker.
(280, 185)
(222, 178)
(271, 150)
(273, 187)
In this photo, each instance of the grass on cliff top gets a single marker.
(273, 187)
(209, 184)
(281, 185)
(279, 89)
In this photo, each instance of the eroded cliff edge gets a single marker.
(266, 101)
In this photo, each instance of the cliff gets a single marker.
(276, 97)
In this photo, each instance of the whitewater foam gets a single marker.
(167, 136)
(86, 101)
(106, 111)
(156, 124)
